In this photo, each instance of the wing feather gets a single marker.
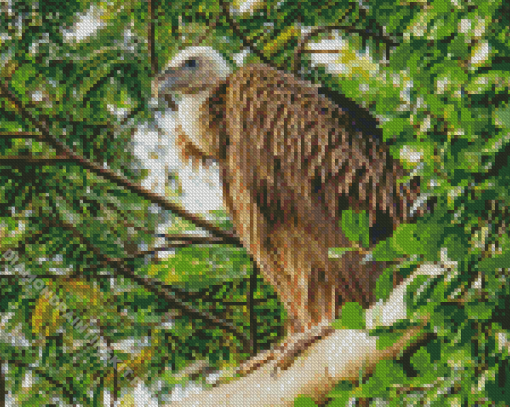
(299, 142)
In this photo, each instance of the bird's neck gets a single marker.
(190, 115)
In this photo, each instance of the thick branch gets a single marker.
(329, 361)
(346, 354)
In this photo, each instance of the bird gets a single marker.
(292, 159)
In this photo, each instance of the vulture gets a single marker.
(292, 157)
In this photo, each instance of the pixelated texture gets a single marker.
(350, 145)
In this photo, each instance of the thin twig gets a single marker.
(152, 5)
(199, 239)
(18, 134)
(251, 308)
(3, 389)
(110, 175)
(149, 284)
(244, 39)
(319, 30)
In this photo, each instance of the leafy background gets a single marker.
(435, 74)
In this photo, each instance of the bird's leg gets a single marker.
(286, 352)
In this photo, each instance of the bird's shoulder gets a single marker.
(264, 80)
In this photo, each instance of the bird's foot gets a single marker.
(256, 362)
(286, 352)
(297, 343)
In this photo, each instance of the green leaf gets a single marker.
(384, 251)
(387, 340)
(406, 240)
(340, 399)
(355, 226)
(352, 317)
(303, 401)
(495, 262)
(421, 360)
(481, 311)
(384, 284)
(423, 288)
(386, 373)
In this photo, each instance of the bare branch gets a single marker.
(200, 239)
(251, 308)
(110, 175)
(149, 284)
(345, 354)
(18, 134)
(21, 160)
(152, 5)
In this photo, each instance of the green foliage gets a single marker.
(303, 401)
(355, 226)
(199, 267)
(441, 95)
(387, 336)
(384, 285)
(386, 374)
(352, 317)
(341, 394)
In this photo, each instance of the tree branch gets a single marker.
(110, 175)
(18, 134)
(149, 284)
(244, 39)
(300, 48)
(22, 160)
(346, 354)
(152, 5)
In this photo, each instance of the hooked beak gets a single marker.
(162, 86)
(166, 81)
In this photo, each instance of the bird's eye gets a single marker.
(190, 63)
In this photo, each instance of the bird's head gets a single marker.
(193, 70)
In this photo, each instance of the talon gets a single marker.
(297, 344)
(255, 362)
(285, 353)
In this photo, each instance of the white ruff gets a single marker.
(189, 115)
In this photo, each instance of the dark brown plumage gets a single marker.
(290, 162)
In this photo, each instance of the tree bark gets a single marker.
(347, 354)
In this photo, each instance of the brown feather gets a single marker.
(290, 161)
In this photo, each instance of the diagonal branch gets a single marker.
(300, 49)
(345, 354)
(110, 175)
(148, 283)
